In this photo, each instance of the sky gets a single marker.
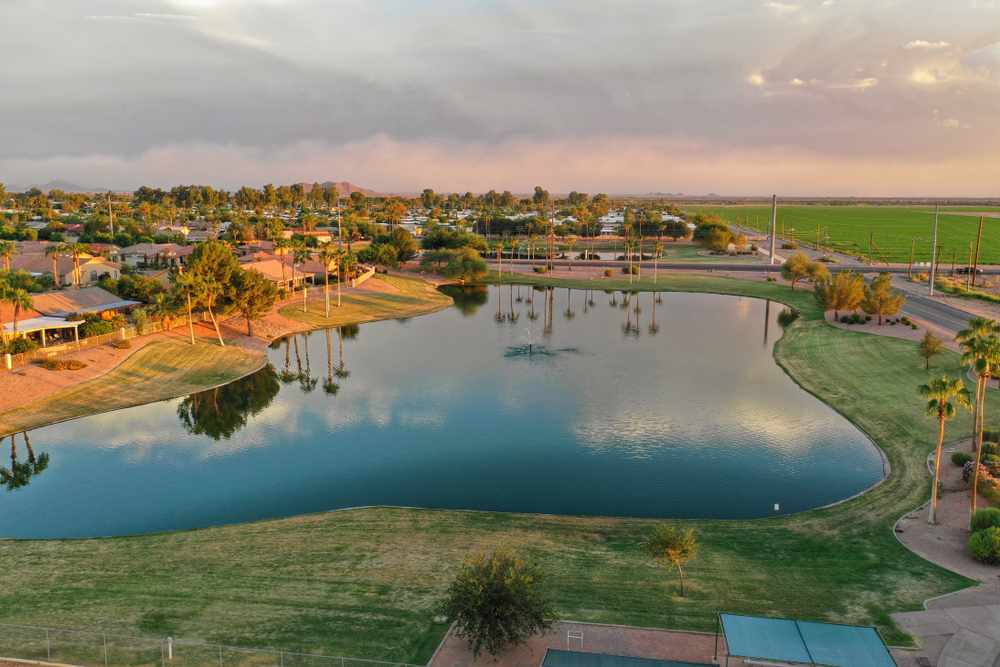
(736, 97)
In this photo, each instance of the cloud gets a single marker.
(921, 44)
(780, 8)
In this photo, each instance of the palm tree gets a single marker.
(281, 249)
(515, 246)
(187, 282)
(301, 255)
(939, 393)
(8, 248)
(209, 288)
(329, 386)
(327, 254)
(629, 246)
(971, 339)
(498, 248)
(657, 249)
(77, 249)
(18, 297)
(54, 250)
(982, 354)
(160, 308)
(570, 242)
(533, 237)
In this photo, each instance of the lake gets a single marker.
(515, 399)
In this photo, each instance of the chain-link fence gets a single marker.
(93, 649)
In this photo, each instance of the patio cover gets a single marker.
(557, 658)
(804, 642)
(36, 323)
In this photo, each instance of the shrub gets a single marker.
(539, 269)
(914, 326)
(970, 470)
(21, 346)
(960, 458)
(139, 319)
(989, 488)
(984, 518)
(790, 245)
(122, 344)
(989, 449)
(868, 318)
(62, 364)
(989, 435)
(753, 247)
(984, 545)
(633, 269)
(845, 319)
(611, 272)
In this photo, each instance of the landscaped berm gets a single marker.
(364, 582)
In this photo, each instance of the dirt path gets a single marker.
(946, 543)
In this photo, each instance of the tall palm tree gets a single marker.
(982, 354)
(657, 249)
(515, 246)
(498, 248)
(533, 237)
(209, 288)
(328, 253)
(18, 297)
(570, 242)
(939, 393)
(8, 248)
(970, 339)
(301, 255)
(281, 246)
(54, 250)
(187, 282)
(77, 249)
(629, 246)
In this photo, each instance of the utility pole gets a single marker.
(935, 252)
(774, 223)
(111, 216)
(913, 242)
(871, 242)
(979, 238)
(968, 281)
(817, 238)
(954, 259)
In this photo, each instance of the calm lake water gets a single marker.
(611, 413)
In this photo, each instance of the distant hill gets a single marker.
(65, 186)
(344, 188)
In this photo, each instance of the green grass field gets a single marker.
(363, 582)
(160, 370)
(850, 229)
(414, 297)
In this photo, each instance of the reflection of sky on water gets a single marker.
(697, 420)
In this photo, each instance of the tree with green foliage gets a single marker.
(672, 547)
(879, 298)
(302, 254)
(498, 599)
(255, 295)
(14, 293)
(213, 259)
(939, 393)
(328, 254)
(187, 281)
(466, 264)
(844, 292)
(930, 346)
(800, 267)
(981, 352)
(7, 249)
(406, 247)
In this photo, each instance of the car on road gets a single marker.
(963, 270)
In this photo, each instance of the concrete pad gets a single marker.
(966, 646)
(976, 619)
(948, 661)
(926, 623)
(994, 609)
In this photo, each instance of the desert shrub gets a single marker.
(790, 245)
(960, 458)
(62, 364)
(633, 269)
(139, 319)
(984, 545)
(868, 318)
(989, 488)
(989, 449)
(122, 344)
(990, 435)
(970, 470)
(892, 322)
(914, 326)
(984, 518)
(609, 272)
(845, 319)
(539, 269)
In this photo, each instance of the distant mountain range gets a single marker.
(344, 188)
(65, 186)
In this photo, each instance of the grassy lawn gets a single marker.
(850, 228)
(363, 582)
(160, 370)
(415, 297)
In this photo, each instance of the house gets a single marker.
(258, 256)
(200, 236)
(91, 268)
(170, 254)
(320, 236)
(271, 269)
(60, 303)
(31, 321)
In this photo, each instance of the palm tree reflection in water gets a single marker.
(20, 474)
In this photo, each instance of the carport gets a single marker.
(776, 641)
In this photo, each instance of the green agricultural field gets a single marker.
(850, 229)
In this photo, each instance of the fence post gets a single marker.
(48, 647)
(7, 360)
(170, 648)
(163, 659)
(220, 656)
(105, 650)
